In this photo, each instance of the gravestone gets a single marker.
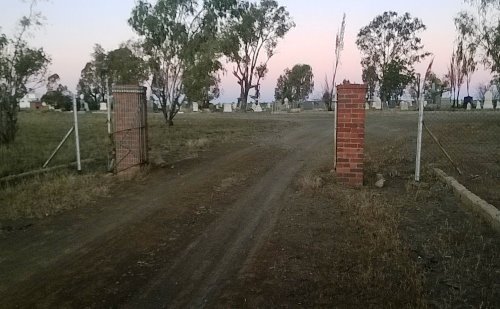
(367, 105)
(103, 106)
(228, 108)
(196, 107)
(478, 105)
(377, 103)
(469, 106)
(405, 106)
(87, 108)
(256, 108)
(488, 100)
(287, 103)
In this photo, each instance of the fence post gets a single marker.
(335, 120)
(419, 138)
(351, 133)
(77, 136)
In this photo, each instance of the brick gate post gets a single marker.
(130, 127)
(351, 133)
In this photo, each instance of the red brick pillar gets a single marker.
(351, 133)
(130, 127)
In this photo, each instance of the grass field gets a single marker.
(40, 133)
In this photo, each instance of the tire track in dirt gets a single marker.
(73, 260)
(45, 243)
(202, 270)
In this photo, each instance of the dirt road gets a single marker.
(174, 239)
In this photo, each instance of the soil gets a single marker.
(232, 228)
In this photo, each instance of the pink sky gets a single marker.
(73, 27)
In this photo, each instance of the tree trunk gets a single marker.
(8, 121)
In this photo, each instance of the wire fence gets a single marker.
(39, 134)
(466, 145)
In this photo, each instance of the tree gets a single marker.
(390, 41)
(120, 66)
(483, 29)
(124, 67)
(57, 95)
(251, 38)
(466, 29)
(455, 76)
(296, 84)
(396, 78)
(93, 83)
(370, 77)
(21, 67)
(173, 32)
(434, 87)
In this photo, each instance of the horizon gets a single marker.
(69, 38)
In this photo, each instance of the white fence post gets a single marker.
(419, 139)
(77, 136)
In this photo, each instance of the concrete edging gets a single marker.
(472, 201)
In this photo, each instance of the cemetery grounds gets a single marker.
(243, 211)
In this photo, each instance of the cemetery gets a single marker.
(215, 160)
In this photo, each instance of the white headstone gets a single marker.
(257, 108)
(367, 105)
(469, 106)
(103, 106)
(488, 100)
(228, 108)
(377, 103)
(405, 106)
(86, 107)
(478, 105)
(196, 107)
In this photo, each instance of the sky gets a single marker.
(73, 27)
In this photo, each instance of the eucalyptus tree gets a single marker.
(390, 40)
(174, 34)
(21, 67)
(250, 40)
(296, 84)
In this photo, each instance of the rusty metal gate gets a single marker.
(130, 135)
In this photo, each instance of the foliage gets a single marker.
(370, 78)
(125, 67)
(466, 29)
(455, 76)
(93, 83)
(296, 84)
(120, 66)
(390, 41)
(57, 95)
(483, 30)
(21, 67)
(434, 87)
(396, 78)
(250, 39)
(174, 34)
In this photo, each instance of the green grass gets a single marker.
(40, 133)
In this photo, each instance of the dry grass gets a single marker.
(49, 194)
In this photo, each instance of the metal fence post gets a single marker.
(77, 136)
(419, 139)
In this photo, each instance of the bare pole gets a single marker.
(77, 136)
(58, 147)
(109, 109)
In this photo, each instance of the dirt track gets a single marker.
(175, 239)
